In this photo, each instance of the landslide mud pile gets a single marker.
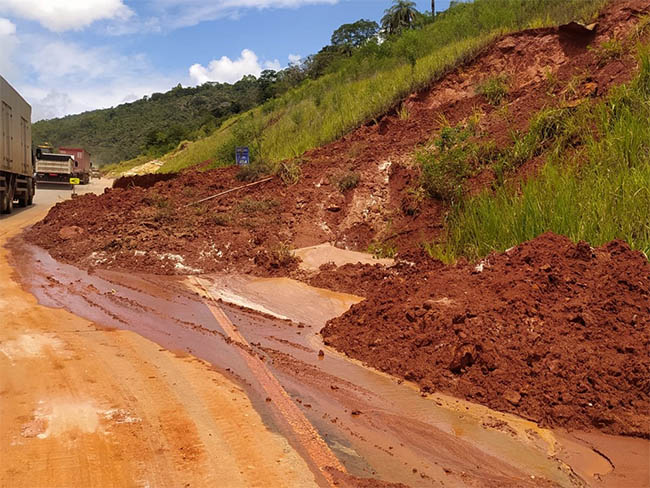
(552, 331)
(145, 224)
(152, 228)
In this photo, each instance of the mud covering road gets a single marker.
(82, 405)
(550, 330)
(382, 431)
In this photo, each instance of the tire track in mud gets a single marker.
(318, 452)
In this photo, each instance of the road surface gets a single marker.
(177, 388)
(85, 406)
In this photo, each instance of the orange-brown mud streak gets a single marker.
(314, 446)
(149, 228)
(375, 426)
(93, 407)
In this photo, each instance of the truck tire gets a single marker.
(8, 201)
(31, 185)
(26, 199)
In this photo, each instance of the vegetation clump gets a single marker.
(445, 166)
(608, 51)
(252, 172)
(252, 206)
(347, 181)
(494, 89)
(290, 172)
(382, 250)
(598, 191)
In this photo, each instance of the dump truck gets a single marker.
(60, 167)
(54, 168)
(17, 183)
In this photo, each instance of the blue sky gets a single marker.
(68, 56)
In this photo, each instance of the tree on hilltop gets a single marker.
(354, 35)
(400, 16)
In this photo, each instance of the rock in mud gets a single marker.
(512, 396)
(464, 357)
(70, 232)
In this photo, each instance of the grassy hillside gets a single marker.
(153, 125)
(371, 81)
(597, 193)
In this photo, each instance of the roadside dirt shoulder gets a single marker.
(113, 409)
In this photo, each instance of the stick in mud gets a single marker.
(228, 191)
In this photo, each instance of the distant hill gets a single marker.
(153, 125)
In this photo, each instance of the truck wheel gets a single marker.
(8, 203)
(31, 187)
(26, 199)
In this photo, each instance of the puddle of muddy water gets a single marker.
(376, 426)
(315, 256)
(282, 298)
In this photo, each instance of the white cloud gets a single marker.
(226, 70)
(51, 104)
(63, 15)
(7, 28)
(183, 13)
(8, 43)
(294, 58)
(59, 78)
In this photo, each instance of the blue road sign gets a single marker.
(242, 155)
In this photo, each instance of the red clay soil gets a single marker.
(143, 181)
(146, 226)
(345, 480)
(152, 229)
(552, 331)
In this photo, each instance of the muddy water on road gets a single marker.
(376, 426)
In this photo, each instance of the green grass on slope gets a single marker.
(123, 166)
(373, 80)
(599, 193)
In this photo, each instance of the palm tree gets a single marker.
(401, 15)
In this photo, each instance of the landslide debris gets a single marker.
(550, 330)
(360, 191)
(146, 225)
(553, 331)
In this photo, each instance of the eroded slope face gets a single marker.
(361, 189)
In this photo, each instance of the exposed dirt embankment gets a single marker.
(146, 226)
(555, 332)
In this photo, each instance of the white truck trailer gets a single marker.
(17, 181)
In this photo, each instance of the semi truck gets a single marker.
(82, 158)
(59, 168)
(17, 183)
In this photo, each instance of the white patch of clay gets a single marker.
(60, 417)
(30, 346)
